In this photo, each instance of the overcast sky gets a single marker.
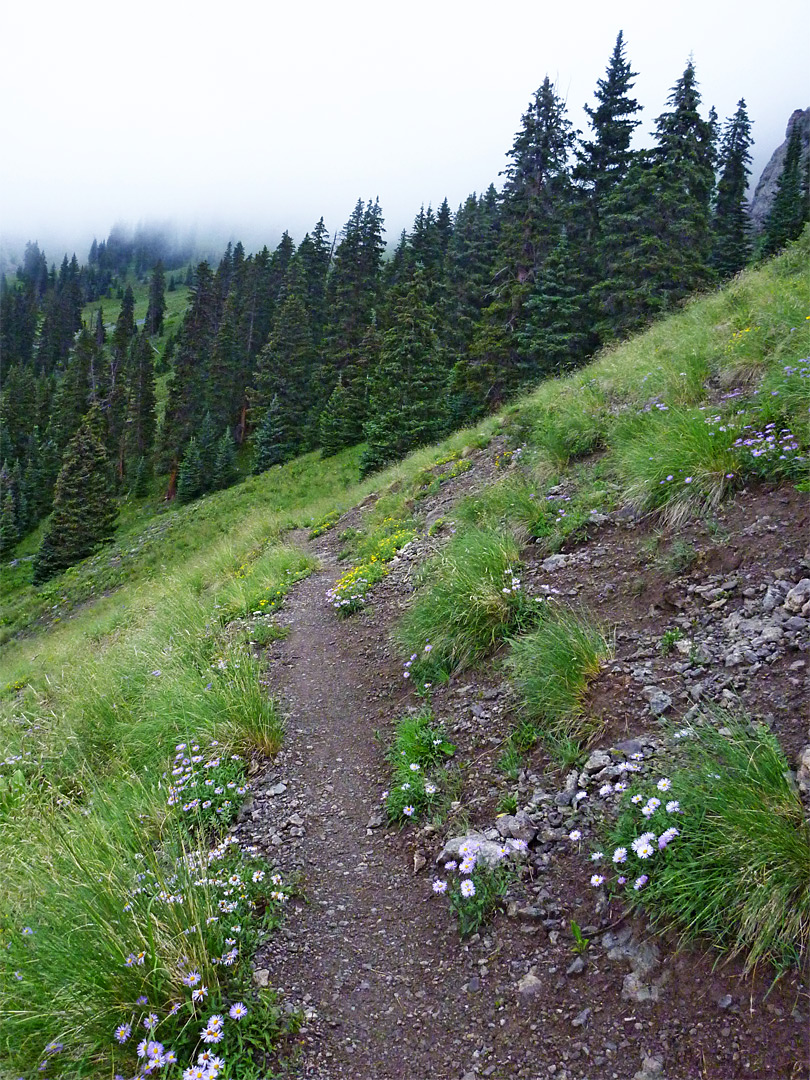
(260, 116)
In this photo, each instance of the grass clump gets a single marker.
(471, 599)
(417, 753)
(324, 524)
(551, 668)
(724, 846)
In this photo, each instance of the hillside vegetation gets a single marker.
(135, 677)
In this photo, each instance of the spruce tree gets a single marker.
(84, 508)
(604, 160)
(141, 422)
(156, 308)
(787, 214)
(270, 444)
(730, 222)
(190, 479)
(406, 406)
(225, 471)
(8, 526)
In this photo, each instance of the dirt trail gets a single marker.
(367, 952)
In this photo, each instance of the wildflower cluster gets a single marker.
(208, 785)
(418, 751)
(324, 525)
(348, 594)
(638, 842)
(767, 450)
(480, 879)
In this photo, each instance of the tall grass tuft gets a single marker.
(551, 668)
(738, 870)
(675, 462)
(471, 599)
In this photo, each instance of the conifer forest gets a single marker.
(337, 339)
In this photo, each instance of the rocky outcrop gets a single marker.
(766, 187)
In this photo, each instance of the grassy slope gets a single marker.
(81, 701)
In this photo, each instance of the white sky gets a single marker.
(259, 116)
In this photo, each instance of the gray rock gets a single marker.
(581, 1019)
(529, 985)
(277, 789)
(576, 967)
(599, 759)
(795, 623)
(658, 700)
(652, 1068)
(488, 851)
(765, 190)
(518, 826)
(261, 977)
(798, 596)
(555, 562)
(725, 1002)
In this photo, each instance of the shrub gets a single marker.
(737, 869)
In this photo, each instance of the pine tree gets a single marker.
(557, 333)
(787, 214)
(406, 407)
(207, 441)
(655, 239)
(84, 509)
(270, 442)
(337, 427)
(8, 526)
(603, 161)
(190, 479)
(156, 308)
(141, 422)
(225, 471)
(730, 221)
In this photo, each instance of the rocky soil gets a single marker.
(373, 958)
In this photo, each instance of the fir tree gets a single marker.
(406, 406)
(141, 423)
(84, 509)
(225, 471)
(156, 308)
(557, 332)
(270, 443)
(8, 526)
(190, 478)
(337, 427)
(787, 214)
(604, 160)
(125, 328)
(655, 238)
(730, 222)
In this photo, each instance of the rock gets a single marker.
(599, 759)
(488, 851)
(277, 789)
(803, 773)
(628, 747)
(375, 821)
(517, 826)
(725, 1002)
(555, 562)
(581, 1019)
(576, 967)
(658, 700)
(529, 985)
(261, 977)
(652, 1068)
(798, 596)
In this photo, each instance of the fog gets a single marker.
(243, 119)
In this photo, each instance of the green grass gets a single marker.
(466, 605)
(551, 667)
(738, 872)
(418, 752)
